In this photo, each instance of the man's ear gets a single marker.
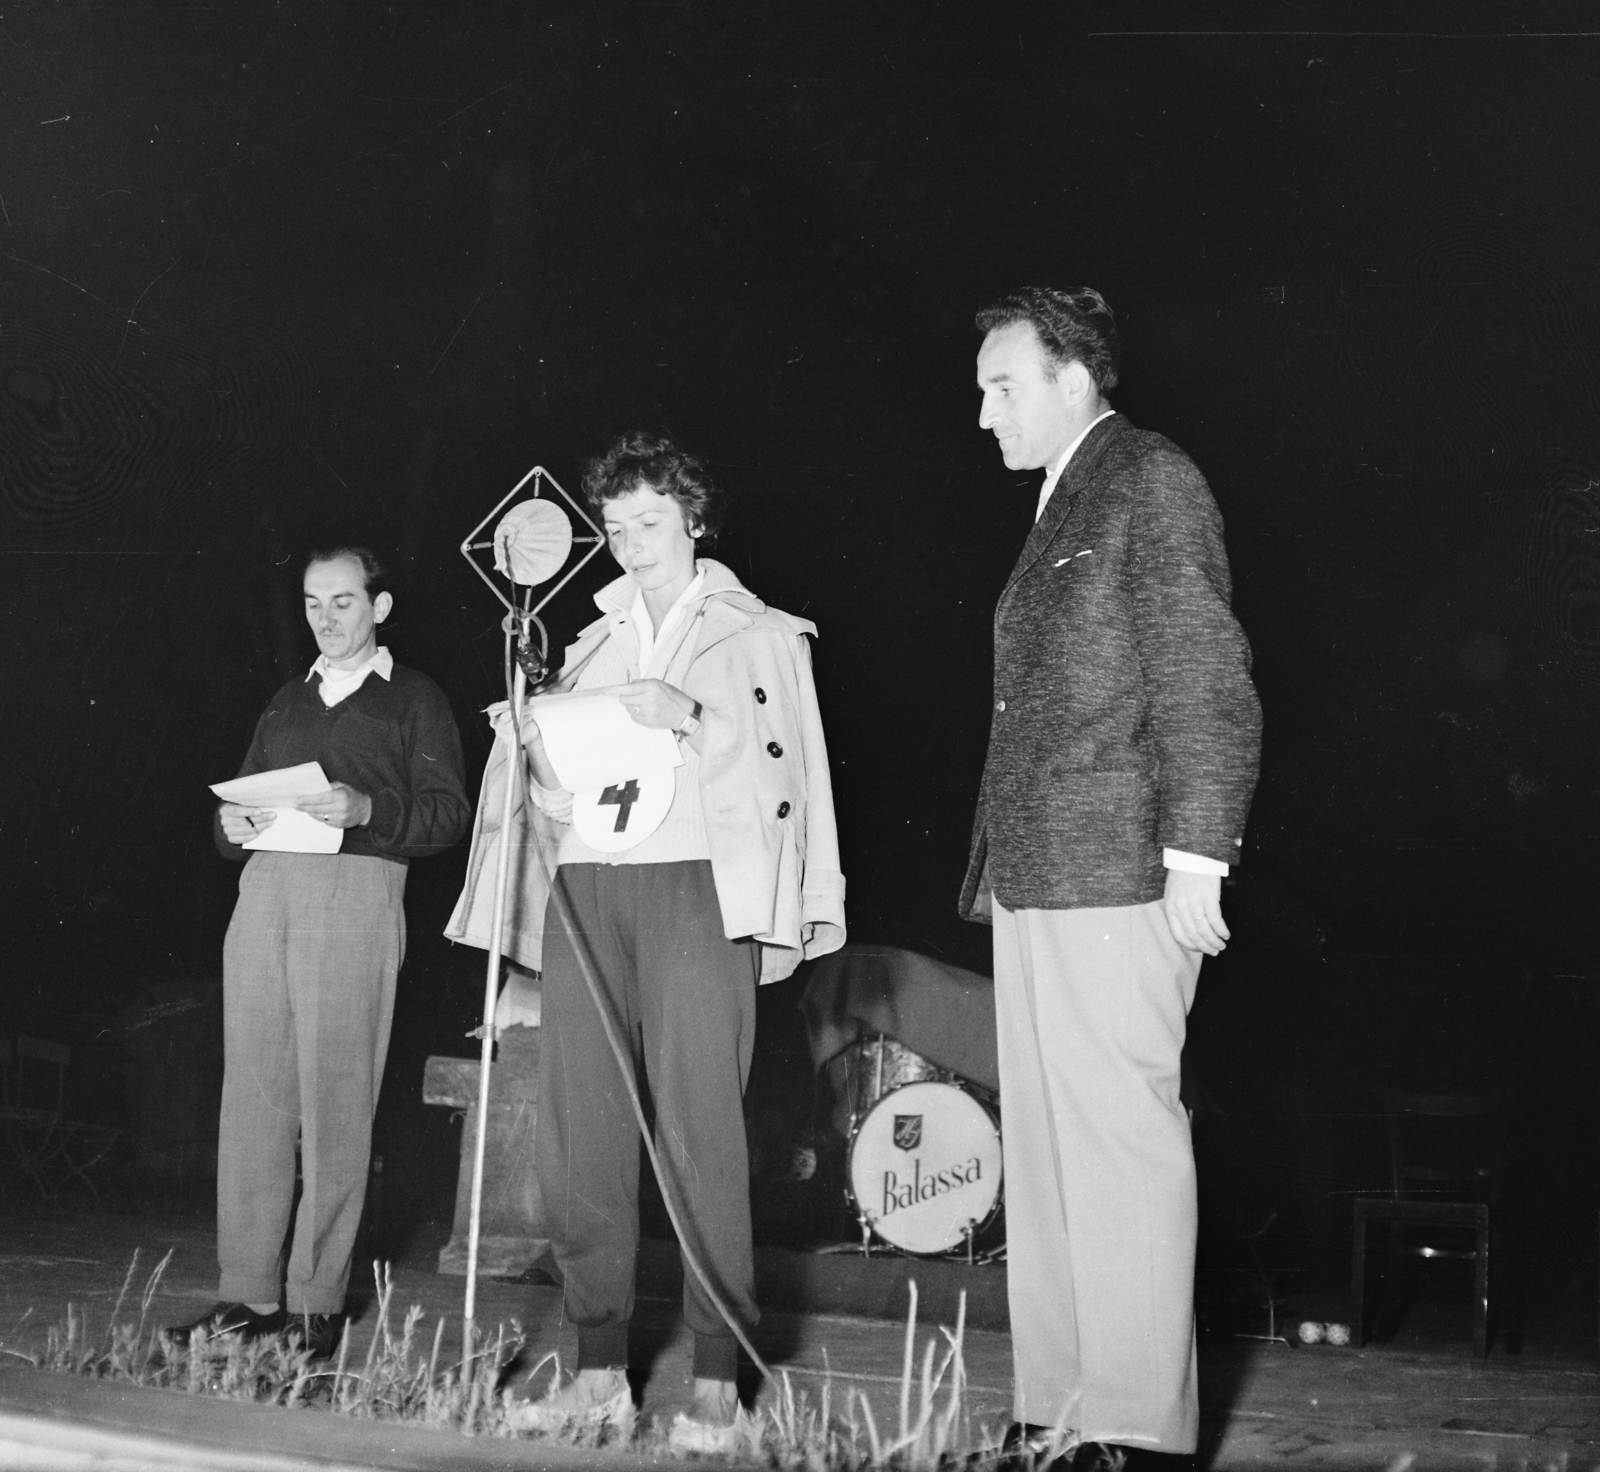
(381, 606)
(1079, 382)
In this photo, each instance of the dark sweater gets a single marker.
(395, 740)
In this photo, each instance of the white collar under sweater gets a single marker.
(337, 684)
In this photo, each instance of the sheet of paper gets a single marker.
(291, 831)
(593, 742)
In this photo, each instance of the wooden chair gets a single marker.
(46, 1146)
(1445, 1153)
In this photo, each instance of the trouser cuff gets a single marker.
(716, 1357)
(603, 1348)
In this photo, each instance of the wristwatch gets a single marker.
(690, 723)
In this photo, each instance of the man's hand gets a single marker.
(1193, 903)
(240, 824)
(341, 806)
(655, 703)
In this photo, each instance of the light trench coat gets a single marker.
(765, 793)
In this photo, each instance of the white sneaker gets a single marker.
(712, 1438)
(585, 1403)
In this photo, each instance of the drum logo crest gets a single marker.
(907, 1131)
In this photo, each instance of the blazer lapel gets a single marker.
(1085, 461)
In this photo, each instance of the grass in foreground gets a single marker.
(403, 1378)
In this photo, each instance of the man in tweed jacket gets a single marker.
(1122, 757)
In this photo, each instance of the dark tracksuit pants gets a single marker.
(683, 996)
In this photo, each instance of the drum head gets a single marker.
(925, 1167)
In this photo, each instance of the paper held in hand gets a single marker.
(291, 831)
(592, 742)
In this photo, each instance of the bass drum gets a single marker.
(925, 1169)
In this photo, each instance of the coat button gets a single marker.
(783, 810)
(761, 696)
(999, 705)
(773, 749)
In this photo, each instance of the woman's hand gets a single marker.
(655, 703)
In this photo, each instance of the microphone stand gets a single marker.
(525, 664)
(525, 661)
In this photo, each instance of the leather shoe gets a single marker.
(1101, 1456)
(1030, 1448)
(318, 1333)
(230, 1318)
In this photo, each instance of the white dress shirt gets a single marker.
(338, 684)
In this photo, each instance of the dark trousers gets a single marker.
(683, 998)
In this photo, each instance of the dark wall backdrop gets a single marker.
(278, 272)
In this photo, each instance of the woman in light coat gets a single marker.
(683, 899)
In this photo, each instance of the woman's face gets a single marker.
(647, 535)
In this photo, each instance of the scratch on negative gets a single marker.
(454, 335)
(432, 127)
(131, 322)
(59, 277)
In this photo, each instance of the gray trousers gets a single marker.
(1092, 1006)
(684, 999)
(308, 979)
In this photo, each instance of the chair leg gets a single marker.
(1480, 1294)
(1358, 1276)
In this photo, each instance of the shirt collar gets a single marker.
(1053, 476)
(381, 662)
(650, 637)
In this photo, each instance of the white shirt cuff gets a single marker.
(1177, 858)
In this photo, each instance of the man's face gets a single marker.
(1033, 416)
(342, 616)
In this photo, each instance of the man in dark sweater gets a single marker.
(312, 954)
(1122, 757)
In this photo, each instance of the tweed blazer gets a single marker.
(1124, 720)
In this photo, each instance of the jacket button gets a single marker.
(783, 810)
(761, 696)
(773, 749)
(999, 705)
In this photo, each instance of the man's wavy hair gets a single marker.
(1073, 322)
(641, 457)
(376, 575)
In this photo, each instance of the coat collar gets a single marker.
(1085, 461)
(725, 607)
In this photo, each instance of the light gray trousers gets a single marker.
(1092, 1006)
(308, 979)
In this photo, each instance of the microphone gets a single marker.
(531, 543)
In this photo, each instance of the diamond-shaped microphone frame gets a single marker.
(526, 608)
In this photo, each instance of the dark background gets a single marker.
(277, 272)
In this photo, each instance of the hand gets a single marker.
(240, 824)
(1193, 905)
(341, 806)
(655, 703)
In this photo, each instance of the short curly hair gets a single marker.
(649, 458)
(1074, 324)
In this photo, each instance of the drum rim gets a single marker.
(995, 1208)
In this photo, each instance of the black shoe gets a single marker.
(319, 1333)
(231, 1318)
(1101, 1456)
(1030, 1448)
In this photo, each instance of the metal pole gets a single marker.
(491, 981)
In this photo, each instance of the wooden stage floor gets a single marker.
(1421, 1403)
